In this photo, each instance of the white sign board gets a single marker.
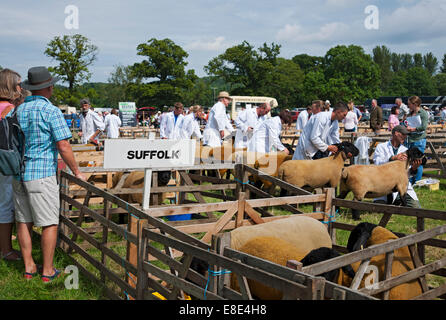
(146, 153)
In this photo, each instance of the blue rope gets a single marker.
(214, 274)
(241, 181)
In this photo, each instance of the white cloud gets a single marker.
(217, 44)
(296, 33)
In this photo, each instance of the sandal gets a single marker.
(30, 275)
(51, 278)
(17, 253)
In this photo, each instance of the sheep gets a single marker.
(300, 234)
(372, 181)
(317, 173)
(135, 180)
(367, 234)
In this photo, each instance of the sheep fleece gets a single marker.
(402, 263)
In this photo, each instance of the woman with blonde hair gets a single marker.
(10, 97)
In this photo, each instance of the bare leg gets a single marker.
(48, 243)
(24, 232)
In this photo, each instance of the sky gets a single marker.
(206, 28)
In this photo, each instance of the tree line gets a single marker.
(161, 78)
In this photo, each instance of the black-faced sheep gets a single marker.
(373, 181)
(367, 234)
(317, 173)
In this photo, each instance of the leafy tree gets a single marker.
(313, 87)
(165, 62)
(285, 83)
(383, 58)
(398, 85)
(395, 61)
(308, 63)
(440, 83)
(419, 82)
(443, 67)
(354, 71)
(418, 60)
(430, 63)
(119, 81)
(75, 54)
(406, 61)
(244, 68)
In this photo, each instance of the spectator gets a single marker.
(357, 112)
(404, 110)
(327, 106)
(376, 117)
(351, 120)
(112, 124)
(393, 118)
(10, 97)
(36, 198)
(416, 123)
(443, 112)
(91, 123)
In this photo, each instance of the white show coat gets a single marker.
(112, 124)
(89, 124)
(189, 127)
(266, 137)
(246, 118)
(302, 120)
(382, 154)
(217, 121)
(168, 127)
(318, 134)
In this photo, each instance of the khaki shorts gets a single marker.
(37, 201)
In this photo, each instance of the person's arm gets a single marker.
(316, 136)
(274, 135)
(64, 148)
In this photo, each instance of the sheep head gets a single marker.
(414, 154)
(360, 235)
(323, 254)
(347, 149)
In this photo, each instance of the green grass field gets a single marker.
(13, 286)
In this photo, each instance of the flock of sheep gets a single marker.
(312, 243)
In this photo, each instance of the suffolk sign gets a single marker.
(142, 153)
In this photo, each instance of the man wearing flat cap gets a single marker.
(394, 150)
(36, 196)
(214, 131)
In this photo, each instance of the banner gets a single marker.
(127, 113)
(145, 153)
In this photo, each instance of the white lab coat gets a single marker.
(246, 118)
(318, 134)
(363, 145)
(217, 121)
(382, 154)
(89, 124)
(266, 137)
(302, 120)
(189, 127)
(112, 124)
(168, 127)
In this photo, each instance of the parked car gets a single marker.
(294, 115)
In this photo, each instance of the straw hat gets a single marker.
(224, 94)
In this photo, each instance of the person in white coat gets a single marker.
(189, 126)
(303, 118)
(112, 124)
(320, 134)
(91, 123)
(170, 122)
(247, 121)
(217, 121)
(266, 137)
(394, 150)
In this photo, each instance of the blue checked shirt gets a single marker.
(43, 125)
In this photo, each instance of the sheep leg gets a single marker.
(356, 214)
